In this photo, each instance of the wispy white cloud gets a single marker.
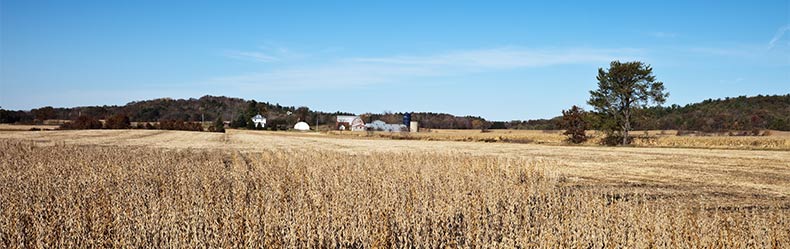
(323, 77)
(779, 34)
(739, 53)
(505, 58)
(362, 71)
(266, 54)
(253, 56)
(662, 34)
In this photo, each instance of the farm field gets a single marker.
(15, 127)
(397, 124)
(258, 188)
(776, 140)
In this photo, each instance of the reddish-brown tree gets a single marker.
(574, 124)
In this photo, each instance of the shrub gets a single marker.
(179, 125)
(239, 122)
(118, 121)
(82, 123)
(574, 124)
(219, 126)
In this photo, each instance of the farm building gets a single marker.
(379, 125)
(353, 123)
(302, 126)
(259, 120)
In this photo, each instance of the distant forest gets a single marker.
(739, 113)
(712, 115)
(209, 108)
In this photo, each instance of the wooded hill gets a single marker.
(712, 115)
(739, 113)
(208, 108)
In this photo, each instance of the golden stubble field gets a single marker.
(776, 140)
(113, 188)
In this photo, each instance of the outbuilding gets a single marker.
(302, 126)
(379, 125)
(353, 123)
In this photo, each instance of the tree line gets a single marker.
(709, 116)
(235, 110)
(121, 121)
(713, 115)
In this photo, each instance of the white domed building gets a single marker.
(302, 126)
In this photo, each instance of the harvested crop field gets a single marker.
(265, 189)
(771, 140)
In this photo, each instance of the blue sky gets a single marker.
(500, 60)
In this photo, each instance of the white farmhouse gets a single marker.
(259, 120)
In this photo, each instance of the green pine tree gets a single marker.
(219, 126)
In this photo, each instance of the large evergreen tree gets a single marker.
(624, 88)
